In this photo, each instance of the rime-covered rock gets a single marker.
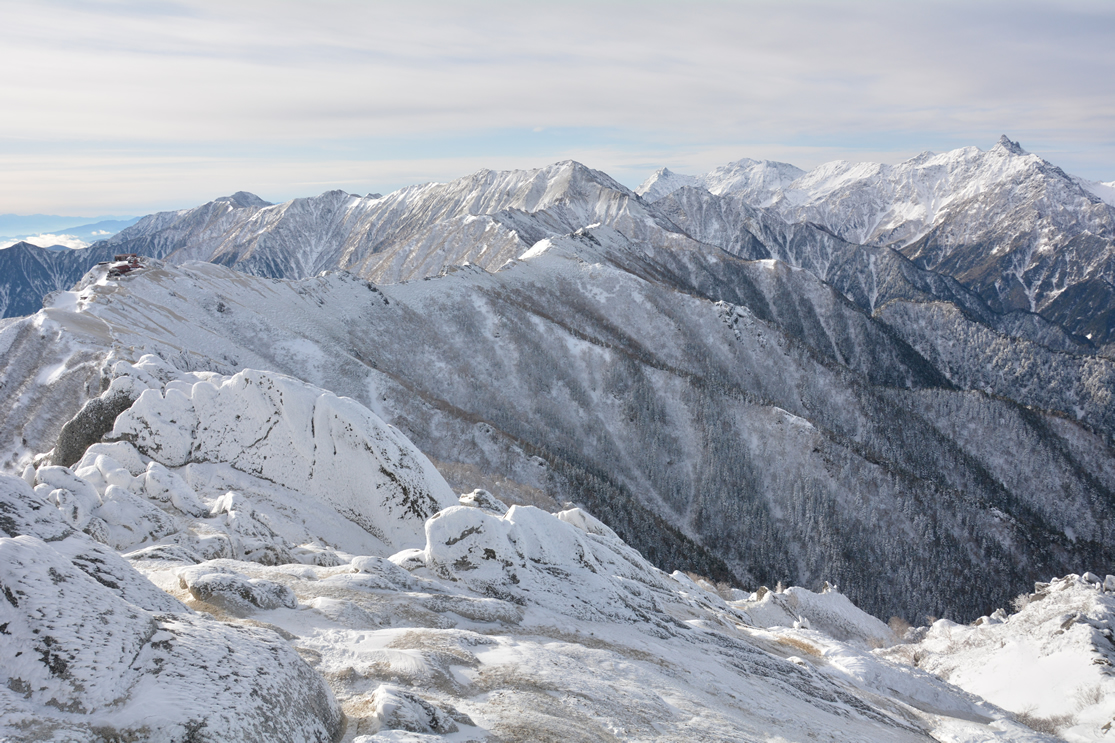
(90, 649)
(285, 431)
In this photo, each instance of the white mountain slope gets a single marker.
(1049, 662)
(507, 624)
(704, 433)
(758, 178)
(1105, 191)
(1012, 227)
(90, 650)
(487, 219)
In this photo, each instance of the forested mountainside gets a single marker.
(529, 455)
(784, 435)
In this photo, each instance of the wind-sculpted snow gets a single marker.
(569, 563)
(222, 467)
(516, 624)
(287, 432)
(90, 650)
(829, 612)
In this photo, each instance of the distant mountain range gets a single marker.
(735, 393)
(1012, 229)
(87, 228)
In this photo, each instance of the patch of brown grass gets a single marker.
(799, 644)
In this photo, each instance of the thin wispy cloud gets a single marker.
(223, 96)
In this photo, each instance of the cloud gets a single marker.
(47, 240)
(253, 81)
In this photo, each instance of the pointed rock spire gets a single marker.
(1010, 145)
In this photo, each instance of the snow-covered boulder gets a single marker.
(830, 612)
(398, 709)
(483, 499)
(257, 466)
(239, 595)
(90, 650)
(281, 430)
(530, 557)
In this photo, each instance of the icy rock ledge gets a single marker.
(91, 650)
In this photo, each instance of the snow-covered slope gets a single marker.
(505, 624)
(90, 650)
(282, 431)
(758, 179)
(1005, 223)
(29, 272)
(1048, 662)
(1105, 191)
(575, 375)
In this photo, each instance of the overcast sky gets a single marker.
(131, 106)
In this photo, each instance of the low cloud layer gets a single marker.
(131, 106)
(48, 241)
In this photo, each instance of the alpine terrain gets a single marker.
(532, 456)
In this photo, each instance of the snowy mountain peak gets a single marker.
(751, 175)
(244, 199)
(746, 175)
(663, 182)
(1008, 144)
(1105, 191)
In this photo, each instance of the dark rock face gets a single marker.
(91, 423)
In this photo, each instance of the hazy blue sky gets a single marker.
(129, 106)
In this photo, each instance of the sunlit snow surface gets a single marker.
(1050, 660)
(499, 623)
(312, 559)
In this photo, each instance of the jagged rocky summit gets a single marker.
(1008, 225)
